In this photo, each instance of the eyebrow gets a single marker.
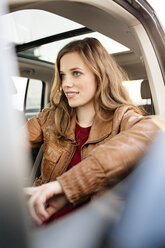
(73, 69)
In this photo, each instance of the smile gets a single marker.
(71, 94)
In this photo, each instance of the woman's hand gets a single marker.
(45, 200)
(55, 204)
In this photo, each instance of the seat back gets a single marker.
(146, 94)
(36, 170)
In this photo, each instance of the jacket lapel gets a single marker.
(100, 128)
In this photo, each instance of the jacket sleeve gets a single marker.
(110, 162)
(34, 129)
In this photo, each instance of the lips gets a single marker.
(70, 94)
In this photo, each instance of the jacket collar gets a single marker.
(100, 128)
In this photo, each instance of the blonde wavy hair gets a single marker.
(109, 76)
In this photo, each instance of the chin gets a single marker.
(73, 105)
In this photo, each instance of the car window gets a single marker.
(33, 99)
(20, 84)
(49, 51)
(28, 97)
(23, 24)
(158, 7)
(29, 25)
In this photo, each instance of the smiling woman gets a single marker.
(79, 161)
(93, 135)
(75, 83)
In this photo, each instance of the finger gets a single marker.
(29, 190)
(41, 209)
(34, 214)
(51, 210)
(58, 202)
(37, 208)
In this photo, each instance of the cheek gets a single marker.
(90, 92)
(88, 85)
(94, 88)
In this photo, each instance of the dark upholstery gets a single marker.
(146, 94)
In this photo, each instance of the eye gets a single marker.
(76, 73)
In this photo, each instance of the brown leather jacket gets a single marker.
(111, 151)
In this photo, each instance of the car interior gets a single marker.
(84, 19)
(38, 30)
(111, 21)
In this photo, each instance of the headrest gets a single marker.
(145, 90)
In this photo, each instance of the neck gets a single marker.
(85, 116)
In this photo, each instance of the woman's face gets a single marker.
(78, 81)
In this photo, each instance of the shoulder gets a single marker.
(126, 112)
(46, 115)
(126, 116)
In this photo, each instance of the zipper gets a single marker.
(94, 142)
(87, 143)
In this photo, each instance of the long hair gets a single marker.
(109, 75)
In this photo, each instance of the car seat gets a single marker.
(146, 94)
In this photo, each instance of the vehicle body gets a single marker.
(132, 24)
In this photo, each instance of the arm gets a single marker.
(34, 129)
(110, 162)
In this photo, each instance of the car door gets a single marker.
(13, 224)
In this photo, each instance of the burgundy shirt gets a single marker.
(82, 134)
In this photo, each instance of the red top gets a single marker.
(82, 134)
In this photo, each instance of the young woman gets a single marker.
(93, 135)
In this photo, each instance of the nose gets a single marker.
(67, 82)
